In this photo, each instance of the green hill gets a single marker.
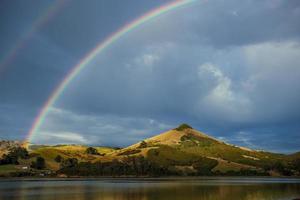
(180, 151)
(184, 145)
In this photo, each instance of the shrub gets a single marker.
(92, 151)
(9, 159)
(39, 163)
(204, 166)
(70, 162)
(58, 158)
(296, 164)
(13, 156)
(182, 127)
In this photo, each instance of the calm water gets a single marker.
(152, 189)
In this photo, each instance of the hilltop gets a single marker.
(179, 151)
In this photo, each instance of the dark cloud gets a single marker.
(225, 24)
(228, 69)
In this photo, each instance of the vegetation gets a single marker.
(182, 127)
(92, 151)
(242, 172)
(69, 163)
(204, 166)
(132, 166)
(14, 155)
(296, 164)
(129, 152)
(7, 169)
(182, 152)
(175, 160)
(143, 144)
(39, 163)
(58, 158)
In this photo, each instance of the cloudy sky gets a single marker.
(228, 68)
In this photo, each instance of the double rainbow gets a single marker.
(42, 20)
(84, 62)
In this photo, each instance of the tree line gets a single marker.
(131, 166)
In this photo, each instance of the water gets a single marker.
(152, 189)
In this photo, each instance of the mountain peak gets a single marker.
(182, 127)
(176, 135)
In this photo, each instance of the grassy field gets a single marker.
(6, 169)
(68, 151)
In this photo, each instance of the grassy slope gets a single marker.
(294, 156)
(6, 169)
(50, 152)
(65, 151)
(187, 145)
(174, 147)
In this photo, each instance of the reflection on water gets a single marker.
(158, 189)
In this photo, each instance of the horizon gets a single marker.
(114, 73)
(111, 146)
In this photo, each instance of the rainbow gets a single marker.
(47, 15)
(94, 52)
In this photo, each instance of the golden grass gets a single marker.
(225, 166)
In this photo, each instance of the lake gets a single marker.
(151, 189)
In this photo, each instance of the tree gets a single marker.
(92, 151)
(20, 152)
(9, 159)
(296, 164)
(282, 169)
(13, 156)
(70, 162)
(39, 163)
(58, 158)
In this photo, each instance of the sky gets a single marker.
(228, 68)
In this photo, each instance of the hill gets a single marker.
(182, 146)
(180, 151)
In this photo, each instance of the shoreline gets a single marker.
(254, 179)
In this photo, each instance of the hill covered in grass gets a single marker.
(180, 151)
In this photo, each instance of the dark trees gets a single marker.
(39, 163)
(132, 166)
(58, 159)
(13, 156)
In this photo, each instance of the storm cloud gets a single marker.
(229, 69)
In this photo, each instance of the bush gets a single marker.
(70, 162)
(58, 158)
(296, 164)
(39, 163)
(92, 151)
(204, 166)
(9, 159)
